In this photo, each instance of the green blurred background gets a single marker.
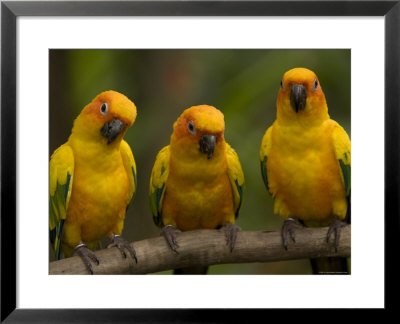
(242, 83)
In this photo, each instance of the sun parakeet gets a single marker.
(306, 162)
(197, 180)
(93, 179)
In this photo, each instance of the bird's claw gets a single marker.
(230, 234)
(288, 228)
(335, 226)
(169, 232)
(122, 244)
(86, 255)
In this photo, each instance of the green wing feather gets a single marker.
(61, 178)
(158, 179)
(264, 174)
(236, 177)
(264, 151)
(130, 167)
(346, 173)
(342, 147)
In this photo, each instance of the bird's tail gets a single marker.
(329, 265)
(332, 265)
(191, 270)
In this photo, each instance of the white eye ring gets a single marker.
(315, 85)
(191, 128)
(282, 86)
(104, 108)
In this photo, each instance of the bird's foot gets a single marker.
(288, 228)
(169, 232)
(335, 226)
(122, 245)
(230, 234)
(86, 255)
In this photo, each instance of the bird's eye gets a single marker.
(315, 85)
(191, 128)
(283, 88)
(104, 108)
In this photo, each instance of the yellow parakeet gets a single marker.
(197, 180)
(306, 158)
(93, 179)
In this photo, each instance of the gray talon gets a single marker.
(85, 254)
(288, 227)
(122, 245)
(335, 226)
(230, 234)
(169, 232)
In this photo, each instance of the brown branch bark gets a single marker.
(208, 247)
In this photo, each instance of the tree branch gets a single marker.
(208, 247)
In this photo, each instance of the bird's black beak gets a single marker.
(207, 145)
(298, 97)
(112, 129)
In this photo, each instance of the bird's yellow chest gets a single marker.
(303, 173)
(99, 198)
(198, 196)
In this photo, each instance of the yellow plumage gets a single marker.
(97, 169)
(199, 195)
(190, 189)
(306, 156)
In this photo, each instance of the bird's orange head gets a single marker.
(107, 117)
(301, 96)
(199, 130)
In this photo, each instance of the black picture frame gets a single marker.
(11, 10)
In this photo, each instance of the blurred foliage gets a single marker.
(242, 83)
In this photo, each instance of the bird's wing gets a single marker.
(342, 147)
(61, 177)
(264, 152)
(236, 177)
(130, 168)
(158, 179)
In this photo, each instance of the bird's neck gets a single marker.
(297, 138)
(94, 153)
(313, 115)
(188, 162)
